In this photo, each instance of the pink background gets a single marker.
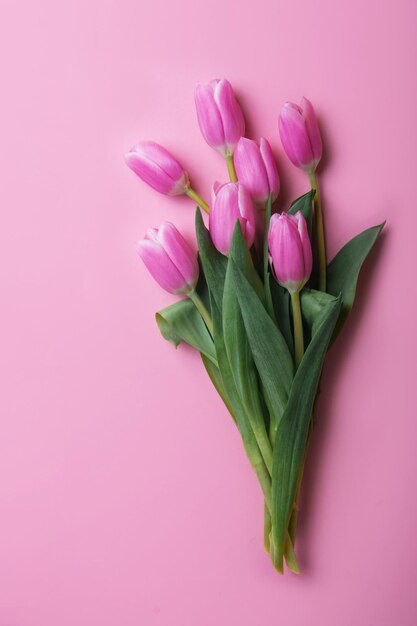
(125, 495)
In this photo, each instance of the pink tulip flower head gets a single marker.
(219, 115)
(290, 250)
(169, 259)
(256, 169)
(300, 134)
(231, 202)
(158, 168)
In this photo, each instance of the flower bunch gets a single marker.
(262, 305)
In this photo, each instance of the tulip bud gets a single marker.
(257, 170)
(157, 167)
(231, 202)
(290, 250)
(219, 115)
(169, 259)
(300, 134)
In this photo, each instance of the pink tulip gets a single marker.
(157, 167)
(169, 259)
(256, 169)
(300, 134)
(290, 250)
(231, 202)
(219, 115)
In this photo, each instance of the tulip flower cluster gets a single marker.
(260, 302)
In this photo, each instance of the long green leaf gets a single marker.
(343, 271)
(291, 437)
(249, 441)
(217, 380)
(213, 262)
(313, 306)
(182, 322)
(270, 351)
(237, 347)
(214, 266)
(304, 204)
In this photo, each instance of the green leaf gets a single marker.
(269, 349)
(214, 266)
(249, 441)
(237, 346)
(182, 322)
(304, 204)
(217, 380)
(291, 437)
(343, 271)
(313, 306)
(213, 262)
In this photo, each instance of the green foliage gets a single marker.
(343, 271)
(291, 437)
(182, 322)
(250, 357)
(305, 205)
(269, 349)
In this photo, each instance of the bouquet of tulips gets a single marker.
(261, 305)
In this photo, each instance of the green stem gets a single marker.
(261, 472)
(231, 168)
(321, 242)
(267, 528)
(289, 555)
(199, 304)
(292, 526)
(264, 445)
(298, 328)
(266, 485)
(264, 478)
(194, 196)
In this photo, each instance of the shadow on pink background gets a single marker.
(125, 495)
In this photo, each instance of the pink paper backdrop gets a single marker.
(125, 495)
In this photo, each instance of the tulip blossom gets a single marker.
(170, 259)
(290, 250)
(231, 202)
(257, 170)
(158, 168)
(219, 115)
(300, 134)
